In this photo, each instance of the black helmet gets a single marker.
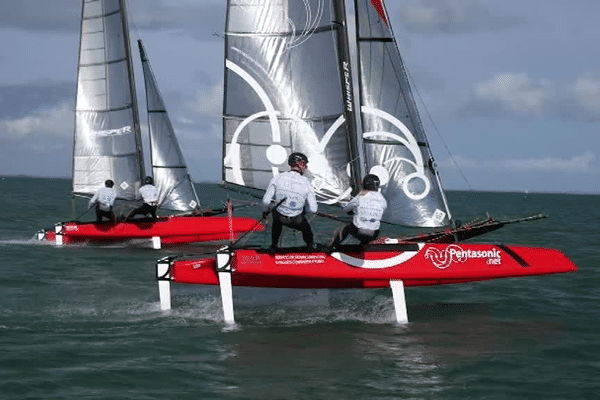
(109, 183)
(371, 182)
(149, 180)
(297, 157)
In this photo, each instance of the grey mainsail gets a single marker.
(290, 74)
(107, 139)
(283, 94)
(394, 142)
(176, 191)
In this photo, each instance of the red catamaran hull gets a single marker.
(414, 264)
(170, 230)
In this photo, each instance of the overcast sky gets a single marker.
(508, 90)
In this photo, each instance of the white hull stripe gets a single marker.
(377, 264)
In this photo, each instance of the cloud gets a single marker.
(36, 15)
(586, 90)
(56, 121)
(519, 95)
(191, 15)
(583, 163)
(65, 15)
(457, 161)
(208, 102)
(451, 16)
(513, 94)
(19, 100)
(576, 164)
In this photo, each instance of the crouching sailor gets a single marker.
(295, 193)
(149, 194)
(104, 199)
(367, 207)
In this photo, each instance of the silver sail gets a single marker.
(282, 94)
(394, 142)
(107, 140)
(171, 177)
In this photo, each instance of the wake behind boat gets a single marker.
(108, 144)
(290, 73)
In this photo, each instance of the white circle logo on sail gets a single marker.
(408, 141)
(276, 154)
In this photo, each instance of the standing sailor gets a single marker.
(295, 193)
(104, 199)
(149, 194)
(367, 207)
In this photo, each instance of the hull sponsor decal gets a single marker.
(295, 259)
(443, 258)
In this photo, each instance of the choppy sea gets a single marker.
(83, 322)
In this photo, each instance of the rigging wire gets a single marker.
(435, 128)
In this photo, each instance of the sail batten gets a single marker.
(115, 12)
(108, 110)
(282, 34)
(103, 63)
(375, 39)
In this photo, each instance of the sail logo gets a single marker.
(114, 132)
(442, 259)
(347, 86)
(418, 178)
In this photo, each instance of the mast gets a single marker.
(135, 109)
(73, 208)
(346, 83)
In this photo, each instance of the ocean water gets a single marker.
(83, 322)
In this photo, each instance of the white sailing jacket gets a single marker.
(295, 189)
(105, 197)
(149, 194)
(368, 207)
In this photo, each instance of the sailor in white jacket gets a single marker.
(149, 194)
(296, 194)
(104, 199)
(368, 208)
